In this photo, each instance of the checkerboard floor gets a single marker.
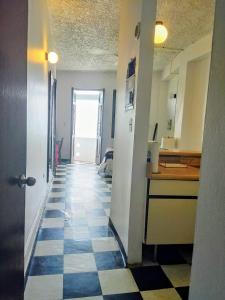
(77, 256)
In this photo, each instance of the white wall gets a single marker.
(82, 80)
(196, 51)
(129, 164)
(208, 268)
(159, 109)
(194, 104)
(37, 103)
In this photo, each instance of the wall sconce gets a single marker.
(52, 57)
(161, 33)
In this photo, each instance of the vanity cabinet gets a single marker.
(171, 206)
(171, 212)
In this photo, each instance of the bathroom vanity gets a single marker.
(172, 198)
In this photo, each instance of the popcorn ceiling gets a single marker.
(86, 32)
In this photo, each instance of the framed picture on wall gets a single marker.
(130, 85)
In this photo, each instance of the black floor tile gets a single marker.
(183, 292)
(50, 234)
(100, 231)
(58, 182)
(106, 204)
(46, 265)
(129, 296)
(57, 190)
(99, 212)
(109, 260)
(54, 213)
(150, 278)
(72, 246)
(56, 200)
(81, 285)
(167, 255)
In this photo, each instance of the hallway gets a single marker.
(77, 256)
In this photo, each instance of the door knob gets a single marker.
(22, 181)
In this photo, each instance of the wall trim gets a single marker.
(31, 240)
(119, 241)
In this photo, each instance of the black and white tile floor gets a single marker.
(77, 256)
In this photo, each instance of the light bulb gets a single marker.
(161, 33)
(53, 57)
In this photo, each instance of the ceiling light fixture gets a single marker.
(161, 33)
(53, 57)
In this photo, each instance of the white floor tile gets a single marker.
(52, 223)
(105, 244)
(117, 282)
(77, 263)
(58, 185)
(51, 206)
(48, 287)
(45, 248)
(105, 189)
(179, 275)
(107, 211)
(106, 199)
(164, 294)
(98, 221)
(80, 213)
(57, 194)
(91, 205)
(71, 233)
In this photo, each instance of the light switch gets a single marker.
(131, 125)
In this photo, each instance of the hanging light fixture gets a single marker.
(53, 57)
(161, 33)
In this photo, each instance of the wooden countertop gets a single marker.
(189, 173)
(177, 152)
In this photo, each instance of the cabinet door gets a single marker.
(171, 221)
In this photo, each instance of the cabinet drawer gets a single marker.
(174, 188)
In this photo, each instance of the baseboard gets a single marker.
(31, 240)
(118, 240)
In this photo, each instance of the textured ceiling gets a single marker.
(86, 31)
(187, 21)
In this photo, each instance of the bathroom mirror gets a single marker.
(171, 114)
(163, 105)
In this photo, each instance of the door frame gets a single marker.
(51, 131)
(72, 121)
(72, 116)
(113, 114)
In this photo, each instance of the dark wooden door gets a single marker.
(13, 107)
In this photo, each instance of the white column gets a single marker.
(208, 269)
(130, 144)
